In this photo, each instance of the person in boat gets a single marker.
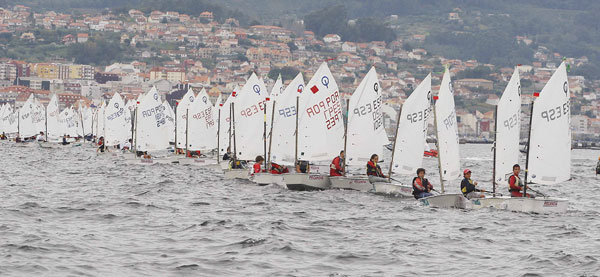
(146, 155)
(337, 165)
(303, 167)
(515, 185)
(227, 155)
(597, 165)
(374, 171)
(64, 140)
(278, 169)
(40, 137)
(127, 145)
(101, 146)
(421, 186)
(18, 139)
(3, 136)
(257, 167)
(469, 188)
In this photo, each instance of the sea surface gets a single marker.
(72, 212)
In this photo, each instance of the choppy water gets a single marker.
(69, 212)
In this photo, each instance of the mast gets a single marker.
(233, 124)
(187, 124)
(230, 126)
(528, 146)
(296, 133)
(136, 131)
(265, 132)
(219, 137)
(346, 136)
(271, 131)
(495, 149)
(437, 144)
(176, 118)
(394, 147)
(46, 115)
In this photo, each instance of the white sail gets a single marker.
(170, 121)
(28, 118)
(284, 124)
(3, 108)
(181, 108)
(9, 121)
(249, 119)
(39, 116)
(549, 156)
(272, 98)
(202, 124)
(224, 122)
(100, 120)
(321, 127)
(412, 129)
(117, 130)
(508, 128)
(52, 112)
(365, 122)
(447, 130)
(151, 123)
(67, 119)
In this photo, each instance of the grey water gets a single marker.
(72, 212)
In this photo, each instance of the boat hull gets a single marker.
(396, 189)
(303, 181)
(263, 179)
(537, 205)
(457, 201)
(360, 183)
(236, 173)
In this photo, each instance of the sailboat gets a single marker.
(548, 159)
(181, 118)
(448, 149)
(151, 128)
(118, 128)
(248, 119)
(200, 130)
(411, 133)
(265, 178)
(170, 121)
(365, 133)
(31, 119)
(320, 131)
(53, 128)
(8, 120)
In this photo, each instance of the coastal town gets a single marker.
(173, 51)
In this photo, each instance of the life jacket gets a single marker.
(257, 168)
(419, 185)
(277, 169)
(466, 186)
(303, 166)
(336, 167)
(373, 169)
(517, 186)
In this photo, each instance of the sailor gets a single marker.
(127, 145)
(3, 136)
(374, 171)
(101, 146)
(146, 155)
(421, 186)
(515, 186)
(597, 165)
(227, 154)
(40, 137)
(257, 168)
(302, 166)
(469, 188)
(278, 169)
(64, 140)
(336, 166)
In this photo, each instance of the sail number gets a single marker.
(287, 112)
(330, 108)
(418, 116)
(254, 109)
(557, 112)
(449, 120)
(512, 121)
(373, 108)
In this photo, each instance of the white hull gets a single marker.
(49, 144)
(267, 178)
(236, 173)
(360, 183)
(498, 202)
(399, 190)
(205, 162)
(303, 181)
(152, 161)
(537, 205)
(457, 201)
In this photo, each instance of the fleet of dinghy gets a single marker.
(305, 123)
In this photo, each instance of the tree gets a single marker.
(292, 46)
(287, 72)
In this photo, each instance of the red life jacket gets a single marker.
(373, 169)
(336, 167)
